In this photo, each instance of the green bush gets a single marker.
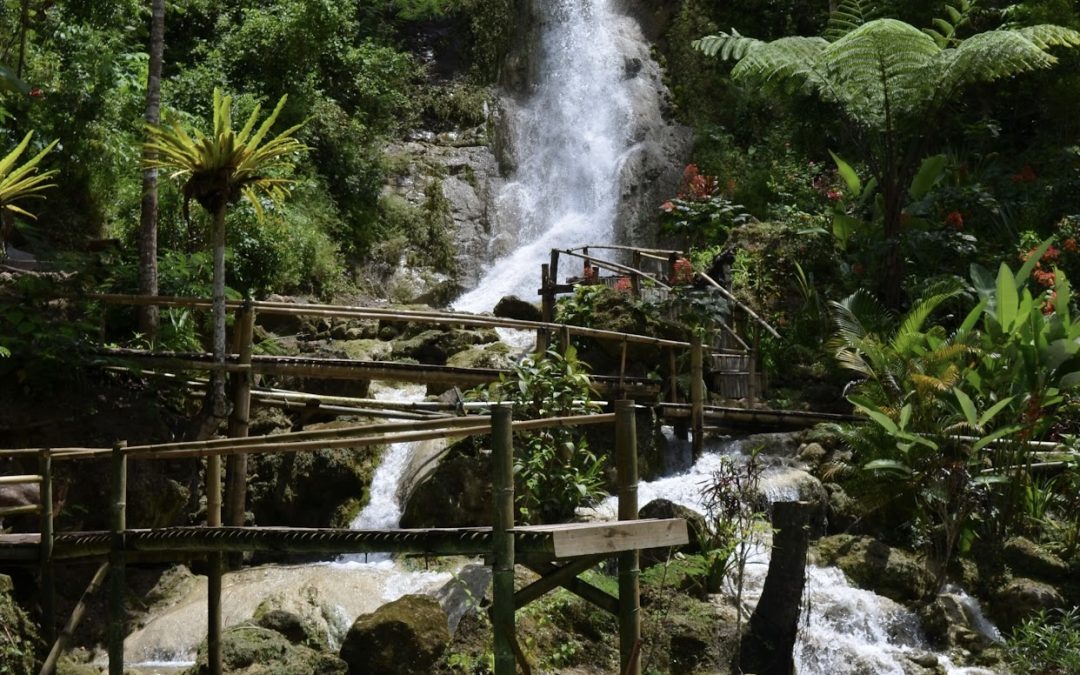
(1046, 644)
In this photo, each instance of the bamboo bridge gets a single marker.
(557, 553)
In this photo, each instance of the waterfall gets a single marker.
(570, 137)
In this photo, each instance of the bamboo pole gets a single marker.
(616, 267)
(697, 396)
(77, 614)
(116, 561)
(547, 308)
(731, 298)
(27, 478)
(626, 470)
(502, 588)
(48, 572)
(239, 421)
(214, 567)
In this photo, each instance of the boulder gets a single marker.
(494, 355)
(295, 628)
(950, 621)
(870, 564)
(404, 637)
(513, 307)
(1027, 558)
(1021, 598)
(436, 346)
(254, 650)
(457, 493)
(695, 524)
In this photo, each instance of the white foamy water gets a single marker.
(570, 137)
(844, 630)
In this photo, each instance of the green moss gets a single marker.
(19, 641)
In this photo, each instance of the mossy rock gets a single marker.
(367, 349)
(1028, 559)
(404, 637)
(1022, 598)
(494, 355)
(436, 346)
(253, 650)
(895, 573)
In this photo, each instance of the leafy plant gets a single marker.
(1047, 643)
(887, 78)
(19, 182)
(554, 469)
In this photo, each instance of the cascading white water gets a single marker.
(570, 137)
(844, 630)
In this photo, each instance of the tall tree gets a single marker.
(148, 270)
(889, 80)
(219, 169)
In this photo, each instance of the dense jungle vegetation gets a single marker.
(898, 192)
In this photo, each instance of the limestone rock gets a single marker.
(870, 564)
(1026, 558)
(405, 637)
(457, 493)
(1020, 598)
(295, 628)
(513, 307)
(695, 525)
(254, 650)
(494, 355)
(436, 346)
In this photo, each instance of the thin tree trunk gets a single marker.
(895, 263)
(220, 404)
(148, 270)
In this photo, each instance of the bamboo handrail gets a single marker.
(727, 294)
(291, 309)
(19, 480)
(615, 267)
(616, 247)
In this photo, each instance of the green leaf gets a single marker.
(888, 465)
(930, 172)
(967, 406)
(843, 227)
(993, 410)
(996, 436)
(851, 179)
(1007, 298)
(878, 416)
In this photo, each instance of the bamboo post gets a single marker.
(58, 647)
(755, 353)
(502, 588)
(626, 470)
(214, 565)
(48, 576)
(673, 369)
(116, 560)
(547, 308)
(697, 394)
(236, 491)
(564, 339)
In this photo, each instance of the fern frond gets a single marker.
(790, 60)
(879, 70)
(849, 15)
(987, 57)
(727, 46)
(944, 31)
(1046, 36)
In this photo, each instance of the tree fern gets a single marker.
(944, 31)
(726, 46)
(849, 15)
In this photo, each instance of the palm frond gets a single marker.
(23, 181)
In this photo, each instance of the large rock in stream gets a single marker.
(405, 637)
(871, 564)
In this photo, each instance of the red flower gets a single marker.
(1048, 307)
(695, 185)
(36, 92)
(1051, 254)
(955, 220)
(682, 272)
(834, 195)
(623, 285)
(1044, 278)
(667, 207)
(1069, 245)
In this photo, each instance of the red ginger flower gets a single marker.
(955, 220)
(622, 285)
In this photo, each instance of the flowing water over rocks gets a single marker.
(844, 630)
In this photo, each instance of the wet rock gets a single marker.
(950, 623)
(841, 510)
(1029, 559)
(494, 355)
(436, 346)
(293, 627)
(253, 650)
(513, 307)
(1021, 598)
(870, 564)
(812, 453)
(456, 493)
(463, 593)
(405, 637)
(695, 524)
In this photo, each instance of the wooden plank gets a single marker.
(577, 539)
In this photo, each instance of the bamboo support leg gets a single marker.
(48, 576)
(697, 395)
(502, 614)
(214, 568)
(629, 596)
(58, 647)
(117, 581)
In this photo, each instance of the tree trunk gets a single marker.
(895, 264)
(148, 270)
(768, 646)
(218, 377)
